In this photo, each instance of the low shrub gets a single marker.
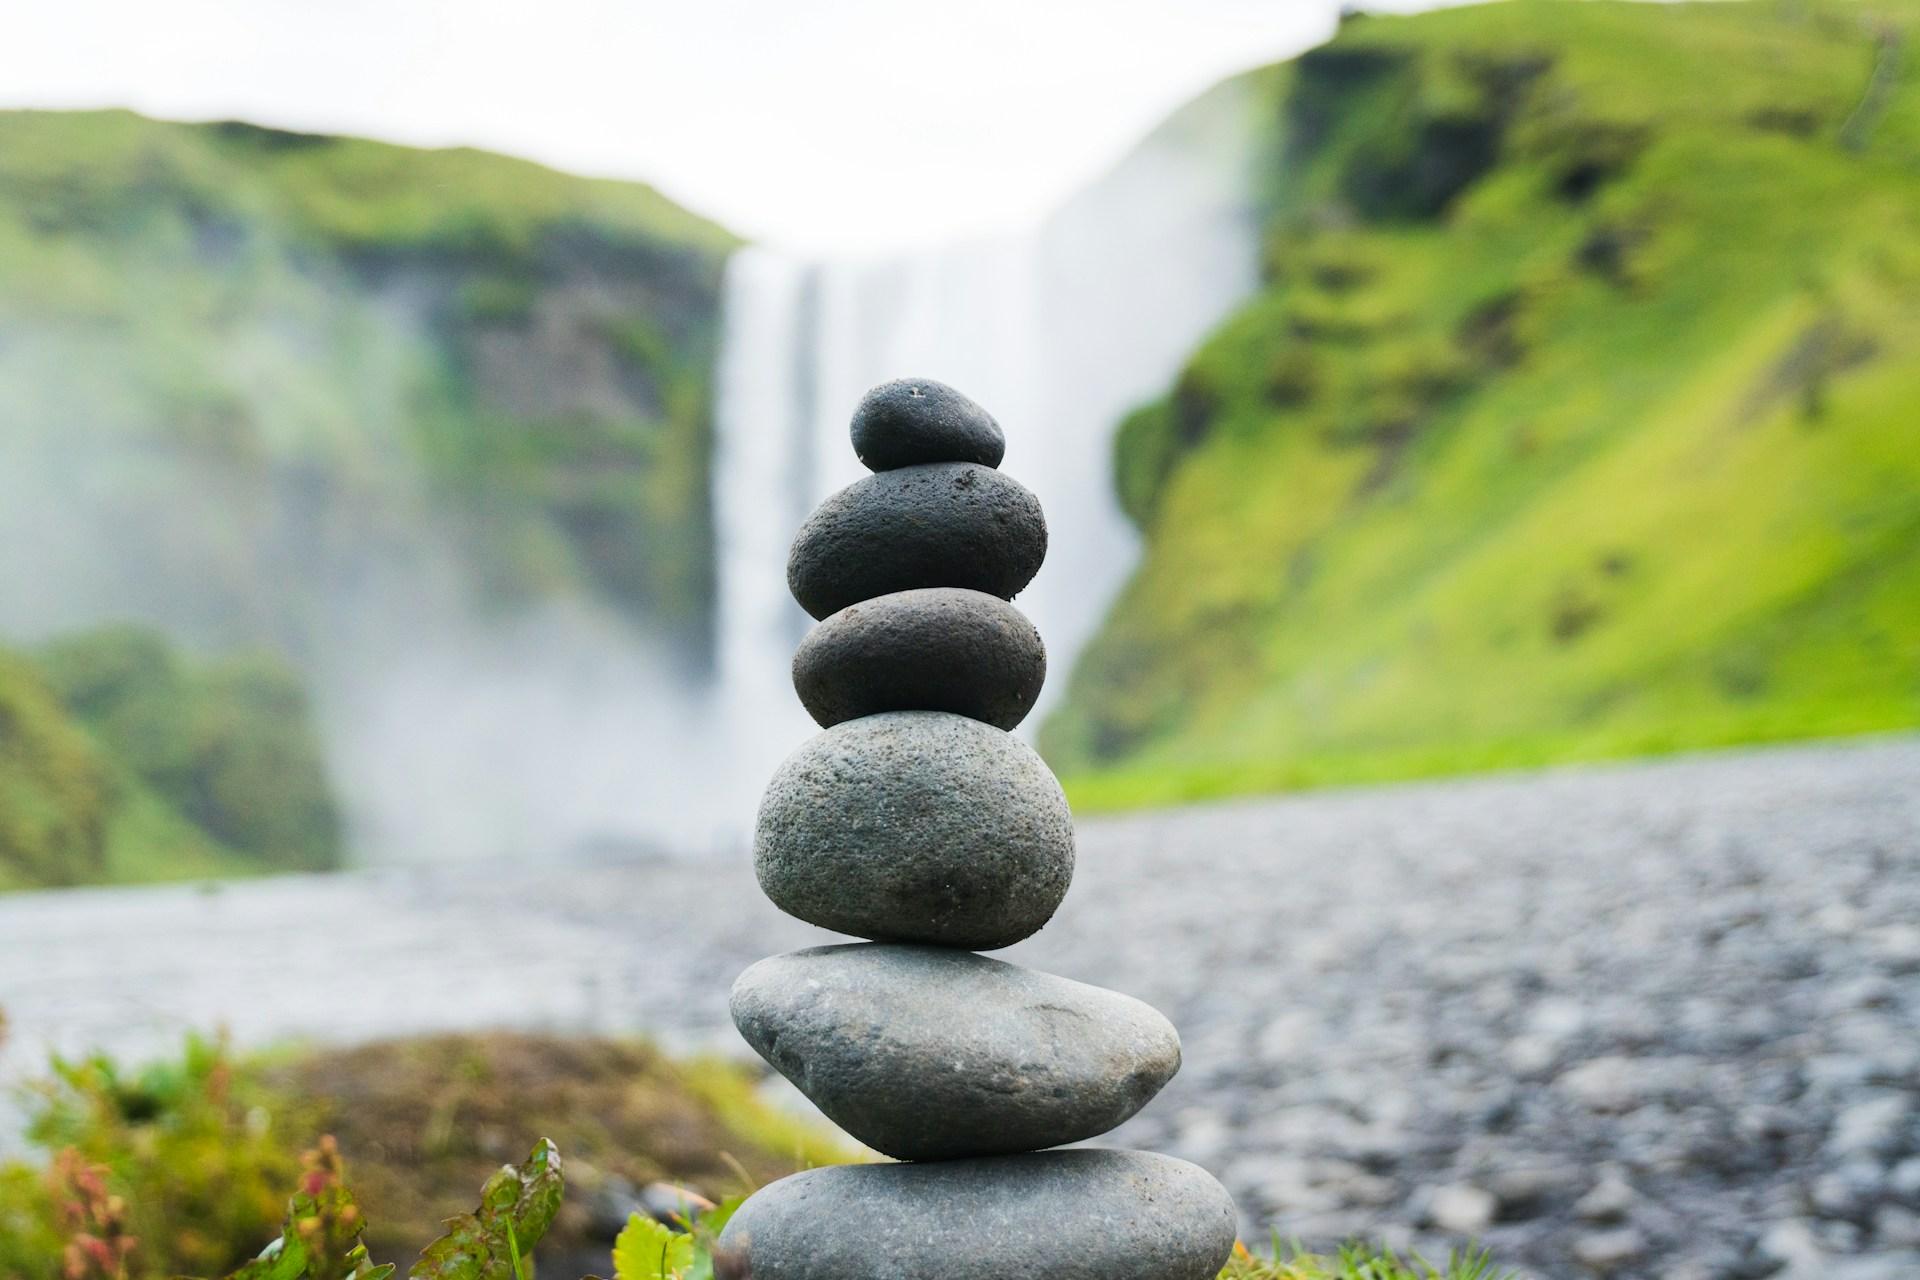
(200, 1149)
(182, 1168)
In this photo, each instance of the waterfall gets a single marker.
(457, 729)
(1058, 331)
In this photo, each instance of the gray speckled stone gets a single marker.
(1065, 1215)
(948, 524)
(916, 826)
(927, 1053)
(911, 421)
(936, 649)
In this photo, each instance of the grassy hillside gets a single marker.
(1577, 417)
(55, 787)
(266, 366)
(123, 760)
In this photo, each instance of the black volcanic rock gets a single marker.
(935, 649)
(948, 524)
(912, 421)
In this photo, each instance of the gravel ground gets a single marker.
(1659, 1020)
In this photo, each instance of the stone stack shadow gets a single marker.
(916, 820)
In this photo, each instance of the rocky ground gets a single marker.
(1652, 1021)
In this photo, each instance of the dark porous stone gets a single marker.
(1065, 1215)
(916, 826)
(911, 421)
(948, 524)
(928, 1053)
(936, 649)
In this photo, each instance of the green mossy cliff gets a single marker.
(263, 362)
(123, 759)
(56, 787)
(1576, 417)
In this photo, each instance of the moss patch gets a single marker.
(425, 1121)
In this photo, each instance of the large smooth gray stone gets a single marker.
(916, 826)
(926, 1053)
(1062, 1215)
(936, 649)
(911, 421)
(948, 524)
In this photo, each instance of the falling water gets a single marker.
(458, 732)
(1058, 332)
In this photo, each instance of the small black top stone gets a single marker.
(911, 421)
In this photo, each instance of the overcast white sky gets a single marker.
(825, 124)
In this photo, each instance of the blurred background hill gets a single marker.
(1522, 383)
(358, 407)
(262, 355)
(1573, 418)
(127, 760)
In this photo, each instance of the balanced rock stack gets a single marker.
(918, 821)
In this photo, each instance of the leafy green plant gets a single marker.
(189, 1144)
(517, 1206)
(651, 1250)
(99, 1242)
(648, 1250)
(321, 1237)
(1357, 1262)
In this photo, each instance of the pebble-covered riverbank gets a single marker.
(1651, 1021)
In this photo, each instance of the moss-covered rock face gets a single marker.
(1574, 420)
(271, 365)
(56, 790)
(227, 744)
(122, 759)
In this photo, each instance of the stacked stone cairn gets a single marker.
(916, 820)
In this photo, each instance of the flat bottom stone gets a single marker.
(1066, 1215)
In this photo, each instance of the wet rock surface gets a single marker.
(916, 826)
(926, 1053)
(949, 524)
(911, 421)
(1681, 997)
(1092, 1215)
(938, 649)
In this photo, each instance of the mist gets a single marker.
(479, 699)
(1058, 331)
